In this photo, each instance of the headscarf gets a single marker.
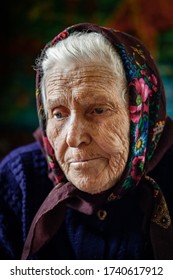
(151, 135)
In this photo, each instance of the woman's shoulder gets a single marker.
(22, 159)
(164, 169)
(26, 168)
(163, 175)
(19, 152)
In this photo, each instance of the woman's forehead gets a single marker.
(82, 83)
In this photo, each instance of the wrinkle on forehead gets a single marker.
(77, 75)
(87, 82)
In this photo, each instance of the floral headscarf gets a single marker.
(149, 127)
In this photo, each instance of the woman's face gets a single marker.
(88, 125)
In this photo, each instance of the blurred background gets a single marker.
(28, 25)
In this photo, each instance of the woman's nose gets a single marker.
(77, 132)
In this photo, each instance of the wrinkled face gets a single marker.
(88, 125)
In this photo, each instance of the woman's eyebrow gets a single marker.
(56, 101)
(83, 99)
(92, 95)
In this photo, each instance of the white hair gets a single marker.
(81, 47)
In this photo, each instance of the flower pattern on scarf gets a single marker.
(143, 96)
(143, 92)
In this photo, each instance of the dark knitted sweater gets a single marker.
(24, 184)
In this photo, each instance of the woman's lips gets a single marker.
(85, 163)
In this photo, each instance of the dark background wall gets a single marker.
(28, 25)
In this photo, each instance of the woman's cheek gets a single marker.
(51, 132)
(54, 133)
(57, 138)
(109, 139)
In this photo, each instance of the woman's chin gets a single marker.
(86, 184)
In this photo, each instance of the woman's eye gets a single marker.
(99, 111)
(58, 115)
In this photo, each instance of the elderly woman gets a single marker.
(108, 144)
